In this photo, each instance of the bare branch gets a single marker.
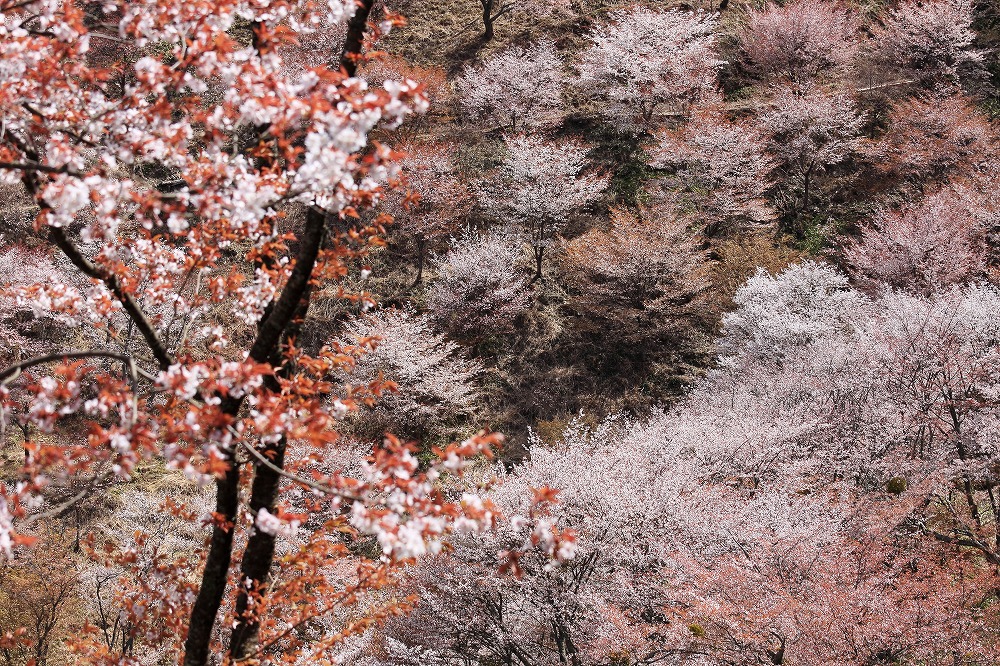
(60, 509)
(262, 459)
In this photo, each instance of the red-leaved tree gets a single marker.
(168, 149)
(932, 245)
(722, 167)
(934, 137)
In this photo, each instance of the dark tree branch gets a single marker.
(215, 575)
(354, 42)
(259, 552)
(132, 307)
(11, 372)
(34, 166)
(965, 541)
(61, 509)
(506, 9)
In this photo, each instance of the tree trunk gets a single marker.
(216, 573)
(271, 332)
(355, 40)
(421, 249)
(258, 556)
(777, 657)
(805, 194)
(995, 507)
(956, 424)
(539, 255)
(487, 19)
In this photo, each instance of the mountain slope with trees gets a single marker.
(509, 333)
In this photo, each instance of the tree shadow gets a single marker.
(467, 49)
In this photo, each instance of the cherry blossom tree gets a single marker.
(187, 187)
(480, 287)
(39, 597)
(854, 394)
(538, 185)
(517, 89)
(930, 42)
(433, 382)
(644, 64)
(885, 388)
(798, 40)
(810, 133)
(800, 305)
(722, 164)
(928, 246)
(825, 431)
(437, 202)
(199, 296)
(847, 591)
(930, 138)
(732, 529)
(620, 502)
(637, 281)
(28, 326)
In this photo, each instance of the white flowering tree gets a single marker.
(929, 246)
(643, 64)
(931, 43)
(481, 285)
(620, 492)
(433, 384)
(517, 89)
(722, 166)
(798, 40)
(795, 308)
(808, 133)
(538, 185)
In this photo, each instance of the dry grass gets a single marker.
(739, 258)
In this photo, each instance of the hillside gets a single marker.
(500, 333)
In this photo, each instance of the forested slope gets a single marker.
(500, 333)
